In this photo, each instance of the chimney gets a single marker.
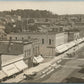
(0, 62)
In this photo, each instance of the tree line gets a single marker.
(29, 13)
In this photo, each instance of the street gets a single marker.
(68, 67)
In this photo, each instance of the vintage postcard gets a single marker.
(41, 41)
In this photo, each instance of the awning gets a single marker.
(2, 75)
(64, 47)
(10, 69)
(21, 65)
(61, 48)
(37, 69)
(38, 59)
(79, 40)
(70, 44)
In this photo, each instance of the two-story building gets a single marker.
(15, 57)
(15, 48)
(73, 35)
(47, 41)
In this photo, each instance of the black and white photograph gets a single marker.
(41, 41)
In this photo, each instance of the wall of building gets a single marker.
(47, 41)
(73, 36)
(30, 50)
(36, 47)
(60, 39)
(76, 35)
(0, 62)
(28, 54)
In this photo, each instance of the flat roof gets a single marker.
(36, 33)
(8, 59)
(11, 48)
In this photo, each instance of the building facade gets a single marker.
(73, 36)
(17, 48)
(47, 41)
(28, 53)
(0, 62)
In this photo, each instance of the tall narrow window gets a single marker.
(49, 41)
(42, 41)
(22, 38)
(15, 38)
(10, 38)
(25, 53)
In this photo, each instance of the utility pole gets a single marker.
(76, 45)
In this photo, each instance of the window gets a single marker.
(15, 38)
(27, 52)
(29, 37)
(42, 41)
(61, 29)
(10, 38)
(49, 41)
(22, 38)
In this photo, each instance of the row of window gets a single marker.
(17, 38)
(36, 50)
(50, 42)
(28, 51)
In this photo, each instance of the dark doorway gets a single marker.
(30, 63)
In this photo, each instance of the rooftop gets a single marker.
(14, 47)
(36, 33)
(7, 59)
(11, 48)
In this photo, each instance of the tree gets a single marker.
(31, 20)
(8, 28)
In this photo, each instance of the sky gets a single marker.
(57, 7)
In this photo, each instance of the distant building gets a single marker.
(73, 35)
(12, 18)
(47, 41)
(2, 33)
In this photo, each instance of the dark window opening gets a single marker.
(10, 38)
(61, 29)
(49, 41)
(42, 41)
(22, 38)
(15, 38)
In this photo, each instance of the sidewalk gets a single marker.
(42, 68)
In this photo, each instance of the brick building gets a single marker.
(27, 49)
